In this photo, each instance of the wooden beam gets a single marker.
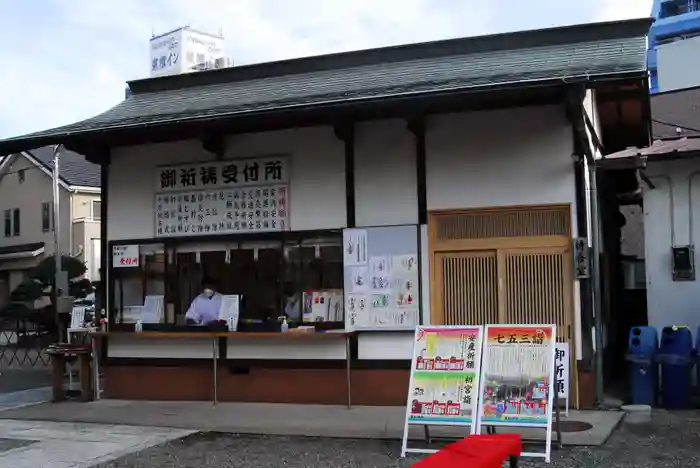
(417, 127)
(214, 143)
(345, 132)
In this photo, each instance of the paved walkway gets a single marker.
(35, 444)
(24, 397)
(280, 419)
(13, 380)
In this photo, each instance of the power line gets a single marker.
(669, 124)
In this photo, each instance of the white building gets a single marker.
(469, 154)
(184, 50)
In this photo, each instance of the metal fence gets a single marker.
(23, 342)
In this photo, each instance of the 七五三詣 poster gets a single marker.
(445, 375)
(517, 374)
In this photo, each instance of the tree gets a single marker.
(41, 280)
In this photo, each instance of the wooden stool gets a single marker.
(60, 353)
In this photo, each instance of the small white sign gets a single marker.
(561, 370)
(125, 256)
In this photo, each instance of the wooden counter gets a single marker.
(224, 334)
(215, 337)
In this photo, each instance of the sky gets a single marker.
(68, 60)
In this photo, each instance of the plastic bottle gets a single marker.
(285, 325)
(139, 326)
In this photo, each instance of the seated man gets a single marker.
(205, 307)
(292, 303)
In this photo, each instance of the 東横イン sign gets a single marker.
(125, 256)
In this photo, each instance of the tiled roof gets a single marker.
(584, 52)
(658, 151)
(73, 167)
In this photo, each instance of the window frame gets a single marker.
(8, 223)
(16, 223)
(47, 218)
(175, 268)
(95, 215)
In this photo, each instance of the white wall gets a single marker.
(511, 157)
(496, 158)
(317, 190)
(385, 174)
(676, 67)
(671, 302)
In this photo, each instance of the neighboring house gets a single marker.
(26, 213)
(671, 206)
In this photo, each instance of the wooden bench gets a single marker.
(477, 451)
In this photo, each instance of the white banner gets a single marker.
(223, 174)
(224, 211)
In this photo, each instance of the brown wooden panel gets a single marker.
(370, 387)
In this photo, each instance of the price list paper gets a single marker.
(223, 211)
(445, 376)
(518, 371)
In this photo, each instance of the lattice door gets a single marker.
(536, 286)
(502, 265)
(467, 287)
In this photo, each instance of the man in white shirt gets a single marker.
(205, 307)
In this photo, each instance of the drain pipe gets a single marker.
(596, 282)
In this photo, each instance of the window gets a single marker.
(15, 222)
(675, 8)
(96, 210)
(8, 223)
(12, 222)
(20, 175)
(47, 223)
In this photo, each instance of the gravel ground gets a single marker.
(671, 440)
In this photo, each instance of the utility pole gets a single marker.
(57, 237)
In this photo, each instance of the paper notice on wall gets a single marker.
(380, 274)
(390, 318)
(405, 278)
(335, 307)
(357, 310)
(359, 279)
(230, 311)
(404, 265)
(354, 247)
(380, 301)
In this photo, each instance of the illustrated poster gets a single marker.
(445, 376)
(404, 270)
(380, 271)
(354, 247)
(359, 277)
(517, 371)
(356, 308)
